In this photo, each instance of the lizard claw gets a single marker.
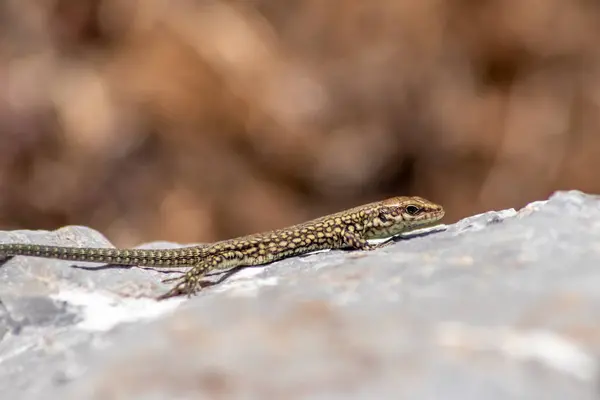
(177, 290)
(187, 285)
(169, 280)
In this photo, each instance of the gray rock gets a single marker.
(502, 305)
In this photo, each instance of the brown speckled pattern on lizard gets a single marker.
(346, 229)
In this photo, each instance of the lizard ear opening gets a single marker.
(383, 217)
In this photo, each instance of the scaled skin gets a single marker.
(349, 229)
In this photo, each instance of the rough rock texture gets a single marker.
(502, 305)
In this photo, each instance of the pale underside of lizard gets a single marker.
(349, 229)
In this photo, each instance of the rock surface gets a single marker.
(503, 305)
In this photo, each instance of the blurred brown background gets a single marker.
(199, 120)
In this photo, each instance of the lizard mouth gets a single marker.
(431, 220)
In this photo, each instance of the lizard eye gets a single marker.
(412, 210)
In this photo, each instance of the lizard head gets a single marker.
(402, 214)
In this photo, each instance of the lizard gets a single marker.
(349, 229)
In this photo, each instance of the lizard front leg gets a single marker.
(354, 241)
